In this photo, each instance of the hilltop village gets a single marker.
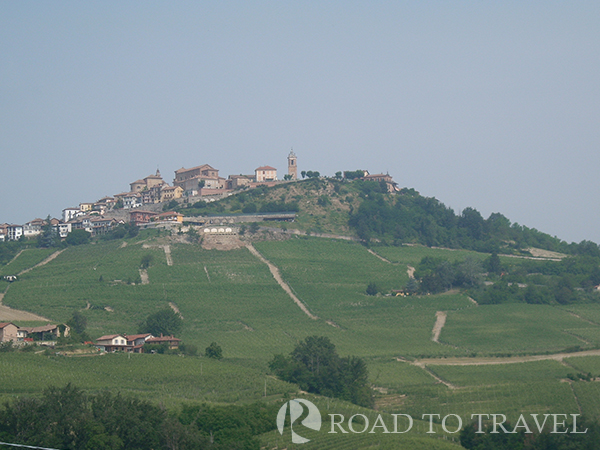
(146, 199)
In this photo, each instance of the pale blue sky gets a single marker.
(493, 105)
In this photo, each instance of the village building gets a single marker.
(86, 207)
(169, 193)
(193, 180)
(147, 183)
(386, 178)
(8, 332)
(292, 166)
(63, 229)
(3, 232)
(170, 216)
(69, 214)
(141, 217)
(239, 181)
(14, 232)
(171, 341)
(265, 173)
(132, 200)
(33, 228)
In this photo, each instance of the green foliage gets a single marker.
(146, 261)
(77, 322)
(49, 236)
(249, 208)
(214, 351)
(315, 365)
(68, 418)
(353, 174)
(78, 237)
(409, 217)
(165, 322)
(372, 289)
(253, 228)
(173, 204)
(487, 438)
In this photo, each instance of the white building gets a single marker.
(69, 214)
(14, 232)
(265, 173)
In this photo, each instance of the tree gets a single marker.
(214, 351)
(287, 177)
(78, 237)
(165, 322)
(493, 264)
(253, 227)
(372, 289)
(49, 236)
(338, 175)
(77, 322)
(303, 173)
(146, 261)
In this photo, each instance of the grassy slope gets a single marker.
(239, 305)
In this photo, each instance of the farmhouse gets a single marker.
(173, 342)
(8, 332)
(112, 343)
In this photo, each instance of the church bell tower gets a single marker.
(293, 165)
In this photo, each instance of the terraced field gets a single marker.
(232, 298)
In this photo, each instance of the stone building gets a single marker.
(293, 165)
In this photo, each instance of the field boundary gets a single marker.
(44, 262)
(275, 272)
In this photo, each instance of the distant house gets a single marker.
(8, 332)
(3, 232)
(86, 207)
(197, 178)
(386, 178)
(169, 193)
(112, 343)
(141, 217)
(14, 232)
(137, 341)
(63, 229)
(33, 228)
(173, 342)
(44, 332)
(265, 173)
(147, 183)
(238, 181)
(170, 216)
(69, 214)
(132, 200)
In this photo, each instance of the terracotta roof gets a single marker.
(4, 324)
(138, 181)
(137, 336)
(163, 339)
(109, 336)
(266, 168)
(203, 166)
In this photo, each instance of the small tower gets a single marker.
(293, 165)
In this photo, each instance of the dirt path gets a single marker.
(168, 255)
(473, 301)
(440, 321)
(15, 257)
(175, 309)
(510, 360)
(378, 256)
(275, 272)
(44, 262)
(144, 276)
(207, 275)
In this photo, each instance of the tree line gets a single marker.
(410, 217)
(71, 419)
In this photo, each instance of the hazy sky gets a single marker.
(493, 105)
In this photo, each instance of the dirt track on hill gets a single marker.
(490, 360)
(439, 324)
(275, 272)
(44, 262)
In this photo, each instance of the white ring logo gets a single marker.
(312, 421)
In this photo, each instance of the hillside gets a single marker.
(365, 210)
(508, 333)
